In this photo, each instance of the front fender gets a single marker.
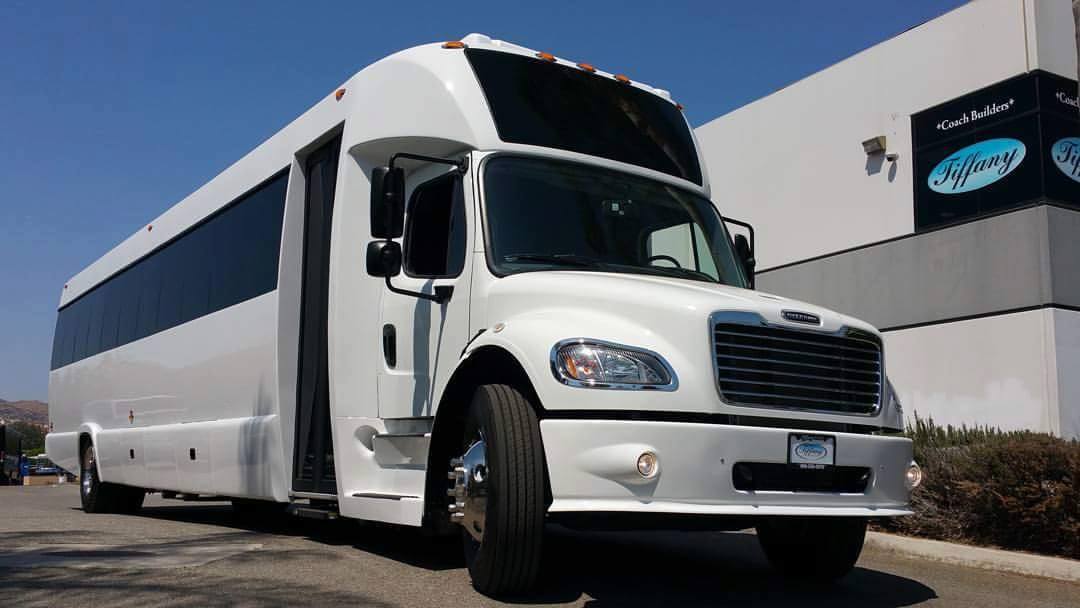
(530, 338)
(63, 448)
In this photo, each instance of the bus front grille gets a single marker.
(766, 366)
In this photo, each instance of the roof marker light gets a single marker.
(338, 94)
(678, 106)
(622, 78)
(545, 56)
(588, 67)
(454, 44)
(149, 227)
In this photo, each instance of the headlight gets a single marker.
(597, 364)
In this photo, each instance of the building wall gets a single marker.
(990, 370)
(1064, 371)
(792, 162)
(1022, 259)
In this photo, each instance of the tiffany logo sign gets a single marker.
(977, 166)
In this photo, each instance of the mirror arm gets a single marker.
(462, 164)
(746, 225)
(442, 292)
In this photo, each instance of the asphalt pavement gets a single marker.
(202, 554)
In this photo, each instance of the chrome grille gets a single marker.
(768, 366)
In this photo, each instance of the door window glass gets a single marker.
(435, 230)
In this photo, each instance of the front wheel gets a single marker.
(498, 491)
(102, 497)
(814, 549)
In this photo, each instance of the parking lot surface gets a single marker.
(202, 554)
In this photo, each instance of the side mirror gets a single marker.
(384, 258)
(387, 202)
(746, 256)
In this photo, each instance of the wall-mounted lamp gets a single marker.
(876, 145)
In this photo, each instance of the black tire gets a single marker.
(812, 549)
(507, 560)
(102, 497)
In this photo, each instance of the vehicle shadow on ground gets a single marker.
(696, 569)
(613, 568)
(32, 587)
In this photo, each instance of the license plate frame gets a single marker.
(811, 451)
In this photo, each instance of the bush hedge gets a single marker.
(1016, 490)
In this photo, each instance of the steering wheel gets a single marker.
(665, 257)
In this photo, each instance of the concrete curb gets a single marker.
(1057, 568)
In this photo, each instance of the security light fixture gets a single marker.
(874, 145)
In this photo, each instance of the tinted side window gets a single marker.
(228, 258)
(110, 315)
(96, 313)
(149, 271)
(59, 339)
(128, 288)
(435, 234)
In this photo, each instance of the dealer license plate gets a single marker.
(811, 451)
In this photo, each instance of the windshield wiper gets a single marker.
(561, 259)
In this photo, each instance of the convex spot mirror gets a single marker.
(387, 203)
(384, 258)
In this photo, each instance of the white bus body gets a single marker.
(183, 366)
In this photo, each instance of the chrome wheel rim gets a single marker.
(470, 490)
(88, 470)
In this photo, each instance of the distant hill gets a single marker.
(28, 411)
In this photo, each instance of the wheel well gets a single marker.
(486, 365)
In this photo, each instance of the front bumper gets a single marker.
(591, 464)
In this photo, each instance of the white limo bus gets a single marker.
(478, 288)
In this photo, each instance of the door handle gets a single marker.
(389, 344)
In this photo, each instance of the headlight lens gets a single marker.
(603, 365)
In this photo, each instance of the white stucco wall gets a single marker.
(996, 371)
(1064, 373)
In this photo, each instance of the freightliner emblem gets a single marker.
(801, 317)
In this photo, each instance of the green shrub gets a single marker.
(1017, 490)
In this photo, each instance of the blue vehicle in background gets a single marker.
(41, 465)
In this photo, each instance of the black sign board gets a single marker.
(1003, 146)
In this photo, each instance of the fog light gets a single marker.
(647, 465)
(913, 476)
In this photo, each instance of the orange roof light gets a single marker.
(338, 94)
(545, 56)
(454, 44)
(622, 78)
(678, 106)
(588, 67)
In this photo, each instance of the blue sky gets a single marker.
(113, 111)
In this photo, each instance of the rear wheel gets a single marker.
(499, 491)
(101, 497)
(816, 549)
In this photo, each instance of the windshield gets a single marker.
(553, 215)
